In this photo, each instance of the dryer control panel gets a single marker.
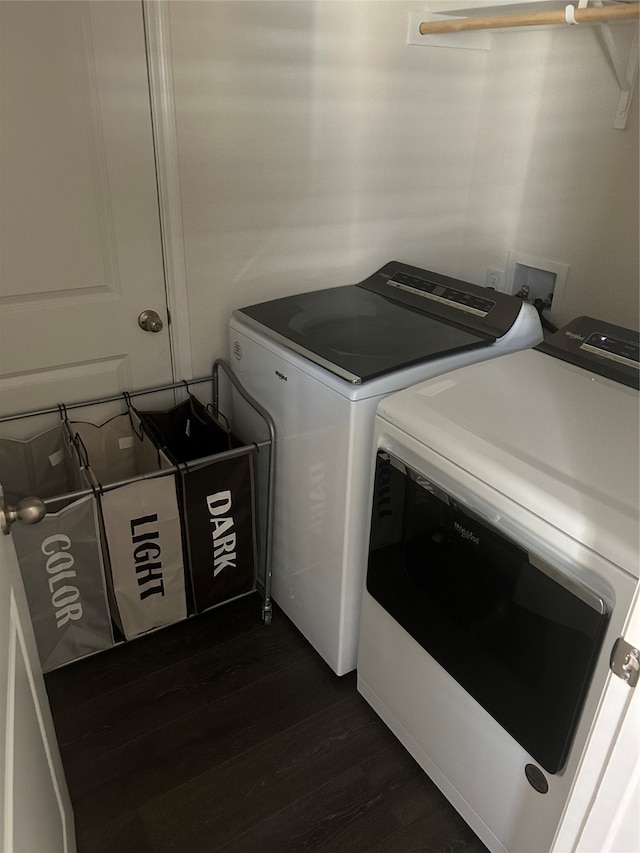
(601, 347)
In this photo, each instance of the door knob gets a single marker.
(150, 321)
(29, 511)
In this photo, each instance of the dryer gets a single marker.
(320, 362)
(503, 562)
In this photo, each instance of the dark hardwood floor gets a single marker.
(221, 734)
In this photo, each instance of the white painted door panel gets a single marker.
(36, 816)
(602, 812)
(80, 252)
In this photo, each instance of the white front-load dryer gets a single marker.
(503, 563)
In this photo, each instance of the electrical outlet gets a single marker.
(494, 279)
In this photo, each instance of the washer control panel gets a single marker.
(456, 298)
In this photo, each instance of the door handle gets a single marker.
(29, 511)
(150, 321)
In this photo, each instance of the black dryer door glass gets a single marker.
(520, 638)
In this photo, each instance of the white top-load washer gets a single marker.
(503, 562)
(319, 363)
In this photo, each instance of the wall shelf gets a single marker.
(471, 29)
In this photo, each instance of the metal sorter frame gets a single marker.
(269, 445)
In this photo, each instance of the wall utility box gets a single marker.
(536, 278)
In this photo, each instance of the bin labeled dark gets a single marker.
(219, 505)
(186, 432)
(217, 500)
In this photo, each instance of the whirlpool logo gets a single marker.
(282, 376)
(468, 535)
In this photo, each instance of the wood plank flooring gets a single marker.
(221, 735)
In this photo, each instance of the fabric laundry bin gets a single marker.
(141, 522)
(61, 557)
(217, 497)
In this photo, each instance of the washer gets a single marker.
(319, 362)
(503, 561)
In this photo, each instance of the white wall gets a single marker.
(315, 145)
(552, 177)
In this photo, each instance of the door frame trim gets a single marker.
(163, 117)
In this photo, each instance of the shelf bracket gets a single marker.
(626, 74)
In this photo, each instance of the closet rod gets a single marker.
(591, 15)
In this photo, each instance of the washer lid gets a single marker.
(356, 334)
(561, 441)
(398, 317)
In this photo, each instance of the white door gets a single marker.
(602, 812)
(80, 248)
(37, 815)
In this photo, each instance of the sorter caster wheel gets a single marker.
(266, 616)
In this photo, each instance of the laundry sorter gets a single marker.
(145, 516)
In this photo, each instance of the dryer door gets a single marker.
(519, 636)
